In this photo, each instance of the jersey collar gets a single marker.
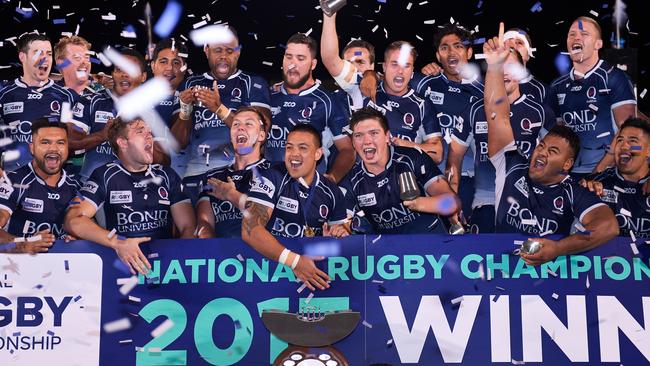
(521, 98)
(388, 164)
(62, 178)
(208, 76)
(593, 69)
(22, 84)
(302, 92)
(641, 181)
(118, 163)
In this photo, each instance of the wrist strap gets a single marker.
(186, 110)
(223, 112)
(295, 261)
(283, 256)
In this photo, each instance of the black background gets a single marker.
(273, 21)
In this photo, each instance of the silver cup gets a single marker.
(530, 246)
(198, 103)
(408, 187)
(456, 229)
(330, 7)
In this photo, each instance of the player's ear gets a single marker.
(22, 56)
(314, 62)
(470, 52)
(599, 44)
(568, 164)
(319, 153)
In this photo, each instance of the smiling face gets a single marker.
(583, 42)
(632, 151)
(223, 58)
(371, 143)
(396, 76)
(124, 83)
(78, 71)
(301, 154)
(297, 65)
(550, 161)
(49, 149)
(168, 65)
(247, 132)
(37, 62)
(453, 55)
(138, 144)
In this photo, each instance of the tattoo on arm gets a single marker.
(258, 215)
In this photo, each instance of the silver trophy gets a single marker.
(408, 187)
(530, 246)
(330, 7)
(456, 229)
(198, 103)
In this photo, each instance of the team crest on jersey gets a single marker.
(55, 106)
(162, 192)
(15, 107)
(611, 196)
(409, 120)
(306, 112)
(558, 203)
(323, 211)
(526, 125)
(236, 93)
(522, 186)
(591, 92)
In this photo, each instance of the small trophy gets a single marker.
(408, 188)
(530, 246)
(330, 7)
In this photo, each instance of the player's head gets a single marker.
(370, 136)
(633, 147)
(49, 146)
(248, 131)
(453, 46)
(361, 53)
(224, 56)
(35, 54)
(124, 82)
(299, 60)
(131, 141)
(513, 72)
(519, 40)
(399, 59)
(169, 61)
(584, 40)
(73, 60)
(302, 151)
(553, 158)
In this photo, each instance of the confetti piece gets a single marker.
(515, 362)
(549, 271)
(625, 212)
(109, 16)
(267, 63)
(529, 222)
(603, 135)
(366, 324)
(580, 25)
(593, 107)
(112, 233)
(594, 13)
(152, 255)
(126, 341)
(377, 281)
(376, 239)
(309, 297)
(642, 94)
(169, 19)
(129, 285)
(143, 98)
(555, 296)
(537, 7)
(634, 248)
(587, 284)
(162, 328)
(301, 288)
(50, 333)
(212, 34)
(240, 257)
(76, 299)
(404, 53)
(123, 63)
(632, 236)
(117, 325)
(457, 300)
(134, 299)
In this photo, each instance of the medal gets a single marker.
(309, 231)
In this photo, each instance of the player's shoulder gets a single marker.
(560, 81)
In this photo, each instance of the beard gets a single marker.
(298, 84)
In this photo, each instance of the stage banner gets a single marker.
(423, 300)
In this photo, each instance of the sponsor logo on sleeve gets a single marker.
(263, 185)
(90, 187)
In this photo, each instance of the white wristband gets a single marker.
(19, 239)
(295, 261)
(186, 110)
(283, 256)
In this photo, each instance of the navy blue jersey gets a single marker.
(102, 109)
(34, 206)
(409, 117)
(536, 89)
(209, 134)
(378, 195)
(82, 115)
(296, 207)
(626, 199)
(586, 106)
(526, 119)
(22, 104)
(227, 216)
(313, 106)
(133, 203)
(523, 206)
(451, 99)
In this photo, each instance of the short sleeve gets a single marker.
(8, 196)
(621, 90)
(584, 201)
(430, 121)
(264, 188)
(338, 118)
(176, 189)
(94, 190)
(425, 168)
(259, 95)
(339, 213)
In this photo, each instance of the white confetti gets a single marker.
(555, 296)
(549, 271)
(594, 13)
(152, 255)
(457, 300)
(376, 239)
(143, 98)
(240, 257)
(122, 62)
(431, 21)
(587, 284)
(213, 34)
(129, 285)
(593, 107)
(366, 324)
(117, 325)
(632, 236)
(267, 63)
(635, 250)
(126, 341)
(301, 288)
(408, 6)
(625, 212)
(642, 95)
(404, 53)
(603, 135)
(377, 281)
(309, 297)
(111, 234)
(134, 299)
(162, 328)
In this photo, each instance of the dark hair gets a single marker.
(570, 136)
(301, 38)
(637, 123)
(368, 113)
(133, 53)
(397, 45)
(26, 39)
(45, 122)
(304, 127)
(166, 43)
(447, 29)
(359, 43)
(118, 129)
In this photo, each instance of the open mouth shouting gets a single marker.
(576, 48)
(223, 67)
(399, 81)
(624, 158)
(369, 153)
(539, 164)
(295, 163)
(453, 62)
(52, 161)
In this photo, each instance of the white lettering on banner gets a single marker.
(430, 314)
(47, 324)
(614, 317)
